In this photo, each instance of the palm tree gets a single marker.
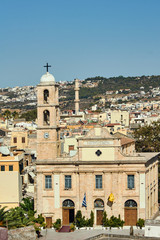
(7, 114)
(16, 218)
(28, 206)
(2, 215)
(15, 114)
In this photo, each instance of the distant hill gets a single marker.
(113, 84)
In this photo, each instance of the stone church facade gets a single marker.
(105, 164)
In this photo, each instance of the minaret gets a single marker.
(76, 96)
(48, 118)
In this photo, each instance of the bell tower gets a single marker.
(48, 145)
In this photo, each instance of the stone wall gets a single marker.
(3, 233)
(25, 233)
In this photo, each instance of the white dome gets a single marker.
(47, 77)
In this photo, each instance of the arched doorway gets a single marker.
(68, 211)
(99, 208)
(130, 212)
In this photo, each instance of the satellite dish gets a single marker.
(4, 150)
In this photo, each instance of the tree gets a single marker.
(16, 218)
(28, 206)
(3, 213)
(15, 114)
(30, 115)
(148, 138)
(91, 219)
(7, 114)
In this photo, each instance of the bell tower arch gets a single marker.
(48, 143)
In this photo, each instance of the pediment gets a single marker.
(99, 132)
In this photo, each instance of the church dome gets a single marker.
(47, 78)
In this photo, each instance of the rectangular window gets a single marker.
(71, 147)
(48, 181)
(68, 181)
(23, 139)
(130, 181)
(10, 167)
(15, 140)
(99, 181)
(2, 168)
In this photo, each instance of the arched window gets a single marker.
(46, 117)
(130, 203)
(45, 96)
(98, 203)
(68, 203)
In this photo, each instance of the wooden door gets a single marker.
(99, 217)
(130, 216)
(49, 222)
(65, 216)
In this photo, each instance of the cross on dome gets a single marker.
(47, 66)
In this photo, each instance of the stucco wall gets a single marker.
(10, 189)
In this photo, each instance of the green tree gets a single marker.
(28, 206)
(80, 221)
(17, 218)
(40, 219)
(30, 115)
(148, 138)
(7, 114)
(3, 213)
(15, 114)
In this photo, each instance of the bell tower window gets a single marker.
(46, 118)
(46, 96)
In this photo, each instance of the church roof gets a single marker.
(99, 132)
(124, 139)
(47, 78)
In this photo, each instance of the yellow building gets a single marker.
(11, 165)
(19, 138)
(121, 117)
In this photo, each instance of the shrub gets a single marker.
(112, 222)
(40, 219)
(105, 219)
(43, 225)
(140, 223)
(115, 222)
(57, 224)
(80, 221)
(91, 219)
(72, 227)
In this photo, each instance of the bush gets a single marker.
(112, 222)
(57, 224)
(82, 222)
(140, 223)
(105, 219)
(115, 222)
(91, 219)
(79, 219)
(72, 227)
(44, 225)
(40, 219)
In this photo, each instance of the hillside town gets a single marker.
(80, 120)
(50, 158)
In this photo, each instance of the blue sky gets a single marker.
(79, 38)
